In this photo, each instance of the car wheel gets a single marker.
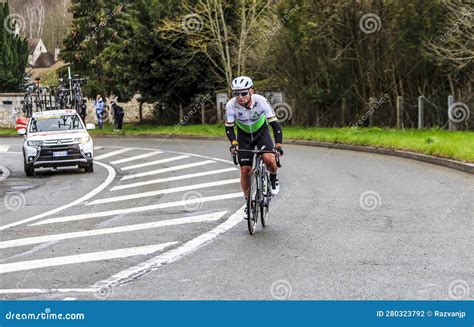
(29, 171)
(89, 168)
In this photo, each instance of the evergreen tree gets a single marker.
(13, 53)
(91, 30)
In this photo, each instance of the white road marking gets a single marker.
(156, 162)
(4, 173)
(69, 299)
(141, 156)
(113, 153)
(174, 178)
(165, 170)
(177, 152)
(108, 180)
(52, 290)
(139, 209)
(175, 254)
(165, 191)
(4, 148)
(121, 229)
(81, 258)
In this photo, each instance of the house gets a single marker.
(38, 55)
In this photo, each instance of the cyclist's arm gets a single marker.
(277, 133)
(229, 124)
(273, 121)
(229, 131)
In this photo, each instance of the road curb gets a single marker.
(449, 163)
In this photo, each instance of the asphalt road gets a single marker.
(160, 219)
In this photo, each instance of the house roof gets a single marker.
(32, 43)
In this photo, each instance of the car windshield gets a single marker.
(56, 123)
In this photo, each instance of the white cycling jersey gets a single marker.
(250, 119)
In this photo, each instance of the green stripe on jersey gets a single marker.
(252, 127)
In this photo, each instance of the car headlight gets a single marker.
(84, 139)
(35, 143)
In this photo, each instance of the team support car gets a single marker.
(57, 138)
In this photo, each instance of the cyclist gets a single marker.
(252, 113)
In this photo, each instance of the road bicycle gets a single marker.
(258, 201)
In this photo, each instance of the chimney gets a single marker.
(56, 54)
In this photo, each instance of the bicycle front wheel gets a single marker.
(265, 200)
(253, 202)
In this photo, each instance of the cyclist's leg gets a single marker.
(245, 160)
(265, 141)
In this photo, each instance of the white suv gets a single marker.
(57, 138)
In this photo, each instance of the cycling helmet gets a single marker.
(241, 83)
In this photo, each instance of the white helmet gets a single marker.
(241, 83)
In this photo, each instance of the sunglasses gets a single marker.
(242, 94)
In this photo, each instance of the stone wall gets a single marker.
(10, 109)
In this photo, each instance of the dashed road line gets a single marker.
(121, 229)
(164, 191)
(165, 170)
(156, 162)
(175, 254)
(170, 179)
(82, 258)
(139, 209)
(138, 157)
(111, 154)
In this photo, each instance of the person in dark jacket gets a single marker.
(118, 115)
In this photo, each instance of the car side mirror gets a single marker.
(90, 126)
(21, 131)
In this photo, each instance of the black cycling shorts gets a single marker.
(261, 139)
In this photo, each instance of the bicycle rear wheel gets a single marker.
(253, 201)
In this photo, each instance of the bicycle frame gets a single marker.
(259, 192)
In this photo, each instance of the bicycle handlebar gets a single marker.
(277, 155)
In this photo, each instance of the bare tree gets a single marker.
(456, 44)
(227, 44)
(35, 13)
